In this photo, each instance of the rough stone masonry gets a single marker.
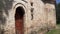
(39, 16)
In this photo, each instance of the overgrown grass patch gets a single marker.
(55, 31)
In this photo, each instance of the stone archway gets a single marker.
(19, 20)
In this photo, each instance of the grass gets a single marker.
(55, 31)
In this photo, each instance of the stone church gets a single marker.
(27, 16)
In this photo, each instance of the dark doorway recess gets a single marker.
(19, 20)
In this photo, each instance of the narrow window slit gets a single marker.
(32, 13)
(31, 3)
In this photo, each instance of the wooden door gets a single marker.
(19, 21)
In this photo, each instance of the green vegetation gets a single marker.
(55, 31)
(58, 13)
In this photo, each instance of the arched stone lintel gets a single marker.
(24, 7)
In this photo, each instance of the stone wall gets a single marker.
(39, 16)
(51, 15)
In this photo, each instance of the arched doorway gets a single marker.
(19, 20)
